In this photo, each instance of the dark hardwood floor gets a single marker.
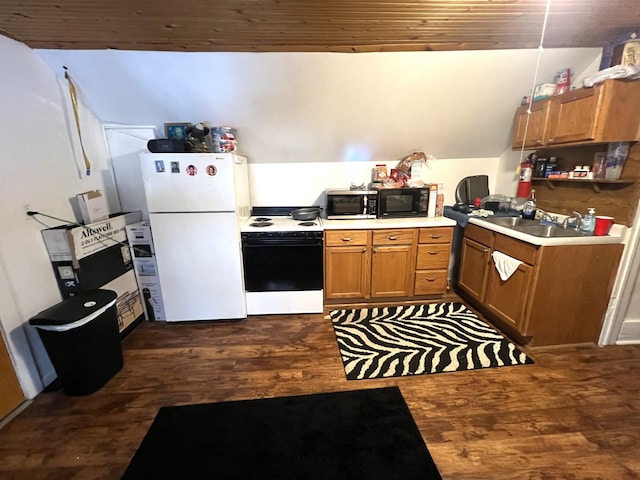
(575, 414)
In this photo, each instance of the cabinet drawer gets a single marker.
(403, 236)
(336, 238)
(435, 235)
(430, 282)
(516, 249)
(433, 256)
(479, 234)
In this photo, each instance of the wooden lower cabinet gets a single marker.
(558, 294)
(373, 265)
(392, 262)
(474, 265)
(508, 299)
(347, 258)
(391, 273)
(432, 261)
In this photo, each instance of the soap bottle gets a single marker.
(589, 222)
(529, 207)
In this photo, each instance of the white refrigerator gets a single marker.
(197, 202)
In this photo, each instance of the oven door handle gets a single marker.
(281, 243)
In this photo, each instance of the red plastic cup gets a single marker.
(603, 225)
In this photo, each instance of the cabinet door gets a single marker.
(573, 116)
(391, 271)
(346, 272)
(508, 299)
(11, 393)
(474, 260)
(533, 134)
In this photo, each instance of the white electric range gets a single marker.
(283, 267)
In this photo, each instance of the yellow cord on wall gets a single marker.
(74, 102)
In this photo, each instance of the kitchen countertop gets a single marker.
(376, 223)
(616, 235)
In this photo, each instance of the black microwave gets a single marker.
(402, 202)
(351, 204)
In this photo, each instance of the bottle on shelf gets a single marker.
(529, 207)
(616, 157)
(589, 222)
(599, 165)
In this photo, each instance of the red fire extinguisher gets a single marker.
(526, 172)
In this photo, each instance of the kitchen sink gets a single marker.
(511, 221)
(548, 231)
(533, 227)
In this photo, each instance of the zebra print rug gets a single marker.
(417, 340)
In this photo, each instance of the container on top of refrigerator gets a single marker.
(224, 139)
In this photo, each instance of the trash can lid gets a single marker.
(73, 309)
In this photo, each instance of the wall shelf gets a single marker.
(595, 183)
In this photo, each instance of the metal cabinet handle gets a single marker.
(433, 253)
(364, 249)
(393, 237)
(430, 279)
(550, 140)
(375, 249)
(346, 239)
(435, 236)
(485, 250)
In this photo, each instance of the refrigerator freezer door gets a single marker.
(190, 182)
(199, 265)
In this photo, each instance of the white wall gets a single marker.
(39, 168)
(324, 107)
(299, 184)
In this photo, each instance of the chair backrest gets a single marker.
(472, 187)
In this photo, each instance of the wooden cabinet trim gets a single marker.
(479, 234)
(522, 251)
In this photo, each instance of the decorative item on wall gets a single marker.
(73, 93)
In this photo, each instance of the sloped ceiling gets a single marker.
(314, 26)
(318, 107)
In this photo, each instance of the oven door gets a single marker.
(280, 265)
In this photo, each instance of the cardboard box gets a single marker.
(93, 206)
(144, 262)
(621, 50)
(96, 256)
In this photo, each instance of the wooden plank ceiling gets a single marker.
(314, 25)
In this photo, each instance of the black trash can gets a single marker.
(82, 339)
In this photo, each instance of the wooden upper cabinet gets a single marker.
(604, 113)
(574, 116)
(533, 134)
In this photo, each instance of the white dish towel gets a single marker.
(505, 264)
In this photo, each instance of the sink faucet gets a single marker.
(577, 221)
(546, 217)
